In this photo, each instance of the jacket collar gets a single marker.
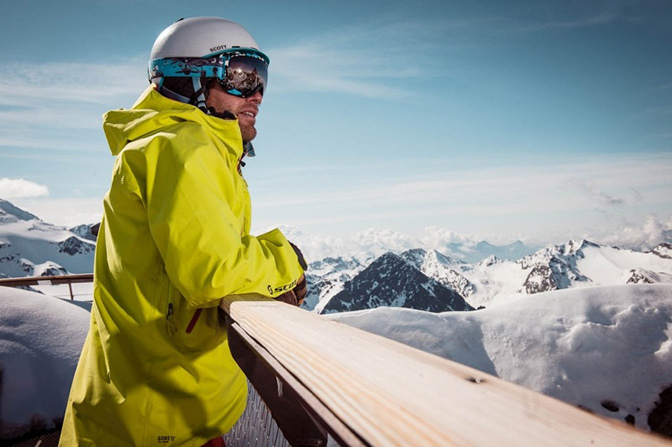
(153, 111)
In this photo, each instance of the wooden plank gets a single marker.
(390, 394)
(339, 431)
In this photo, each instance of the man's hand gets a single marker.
(301, 290)
(295, 296)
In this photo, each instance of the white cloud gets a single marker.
(373, 242)
(20, 188)
(646, 235)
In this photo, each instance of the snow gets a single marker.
(594, 347)
(40, 341)
(604, 264)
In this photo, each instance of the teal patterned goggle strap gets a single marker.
(239, 73)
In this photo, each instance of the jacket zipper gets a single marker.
(172, 328)
(193, 321)
(170, 323)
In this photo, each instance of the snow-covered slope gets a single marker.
(40, 341)
(31, 247)
(607, 349)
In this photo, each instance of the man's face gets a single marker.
(246, 109)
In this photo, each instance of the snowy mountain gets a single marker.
(31, 247)
(441, 268)
(325, 279)
(493, 281)
(86, 231)
(583, 263)
(663, 250)
(392, 281)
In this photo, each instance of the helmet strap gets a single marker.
(198, 98)
(168, 93)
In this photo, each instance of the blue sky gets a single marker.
(536, 120)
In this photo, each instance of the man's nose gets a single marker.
(256, 98)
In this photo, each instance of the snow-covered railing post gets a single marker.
(367, 390)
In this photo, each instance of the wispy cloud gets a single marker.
(41, 105)
(368, 60)
(16, 188)
(598, 18)
(533, 198)
(543, 15)
(615, 182)
(64, 95)
(596, 194)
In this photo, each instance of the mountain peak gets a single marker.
(490, 260)
(575, 246)
(392, 281)
(663, 250)
(11, 213)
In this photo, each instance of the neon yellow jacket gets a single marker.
(155, 370)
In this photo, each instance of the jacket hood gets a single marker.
(152, 112)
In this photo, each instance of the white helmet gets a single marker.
(191, 51)
(201, 37)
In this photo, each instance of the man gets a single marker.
(155, 368)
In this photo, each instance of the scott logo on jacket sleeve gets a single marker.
(282, 289)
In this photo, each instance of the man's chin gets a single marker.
(248, 134)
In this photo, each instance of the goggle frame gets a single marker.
(215, 66)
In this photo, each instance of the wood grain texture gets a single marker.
(393, 395)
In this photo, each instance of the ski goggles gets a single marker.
(240, 73)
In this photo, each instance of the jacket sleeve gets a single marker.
(196, 210)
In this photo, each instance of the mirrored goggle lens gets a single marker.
(245, 75)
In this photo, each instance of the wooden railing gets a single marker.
(367, 390)
(48, 280)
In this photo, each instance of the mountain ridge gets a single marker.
(31, 247)
(577, 263)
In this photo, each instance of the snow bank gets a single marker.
(40, 341)
(607, 349)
